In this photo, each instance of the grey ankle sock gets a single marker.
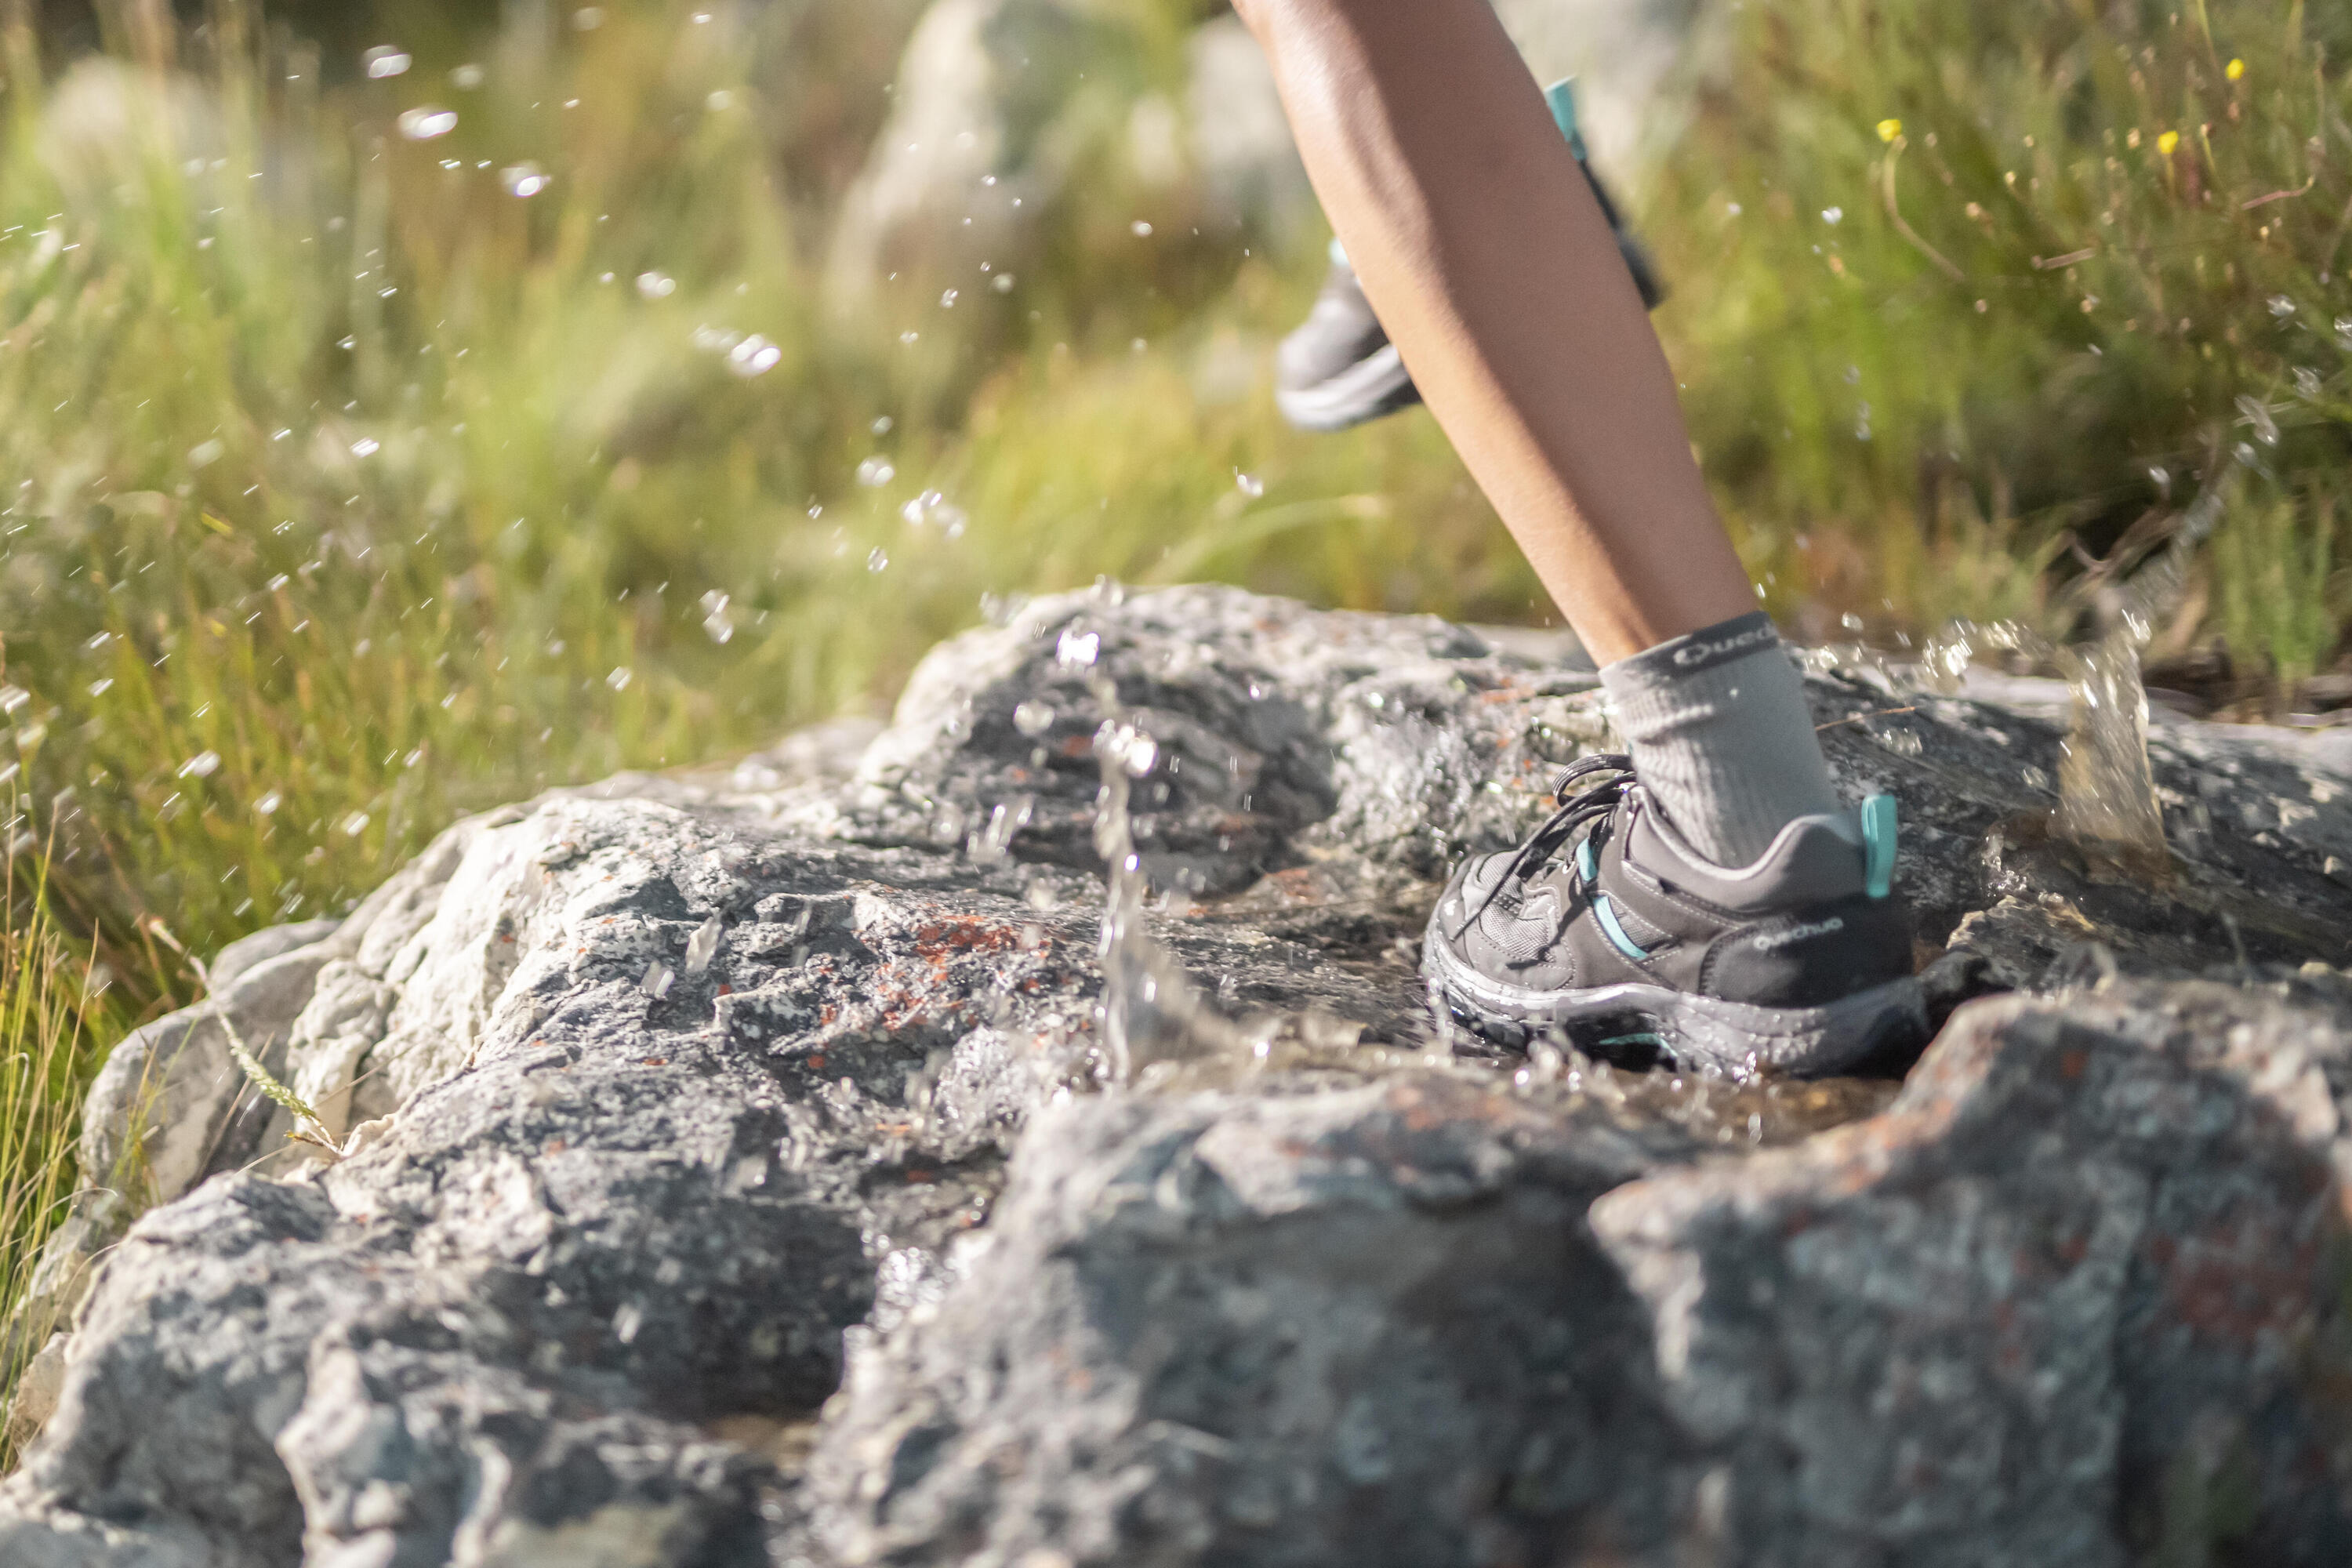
(1719, 731)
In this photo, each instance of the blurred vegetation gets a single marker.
(380, 444)
(1994, 290)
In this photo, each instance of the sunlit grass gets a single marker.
(2053, 268)
(55, 1023)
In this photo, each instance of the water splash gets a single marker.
(1151, 1011)
(427, 124)
(2108, 803)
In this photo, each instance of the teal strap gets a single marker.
(1606, 913)
(1561, 96)
(1603, 910)
(1878, 832)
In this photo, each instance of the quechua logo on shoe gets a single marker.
(1774, 941)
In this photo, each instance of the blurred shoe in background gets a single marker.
(1338, 368)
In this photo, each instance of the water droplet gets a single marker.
(878, 560)
(720, 102)
(385, 62)
(268, 804)
(703, 946)
(466, 78)
(718, 622)
(875, 472)
(13, 700)
(909, 340)
(655, 285)
(991, 845)
(1850, 621)
(1077, 648)
(427, 124)
(2253, 411)
(947, 300)
(206, 454)
(1249, 485)
(620, 677)
(203, 765)
(354, 825)
(1832, 215)
(588, 18)
(1138, 755)
(1140, 229)
(523, 181)
(366, 446)
(1032, 719)
(754, 357)
(1003, 284)
(2281, 307)
(884, 425)
(100, 688)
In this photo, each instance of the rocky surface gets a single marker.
(729, 1175)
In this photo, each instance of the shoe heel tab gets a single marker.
(1880, 828)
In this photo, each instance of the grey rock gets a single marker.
(730, 1176)
(999, 100)
(238, 957)
(980, 89)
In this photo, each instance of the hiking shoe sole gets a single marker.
(1700, 1033)
(1365, 391)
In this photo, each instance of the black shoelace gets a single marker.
(1598, 800)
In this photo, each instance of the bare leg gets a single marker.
(1498, 278)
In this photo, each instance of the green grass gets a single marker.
(1992, 284)
(56, 1019)
(342, 490)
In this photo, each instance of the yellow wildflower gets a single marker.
(1888, 129)
(2166, 143)
(2236, 70)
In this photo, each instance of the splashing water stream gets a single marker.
(1151, 1011)
(2107, 787)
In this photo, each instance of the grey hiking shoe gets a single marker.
(1606, 928)
(1338, 368)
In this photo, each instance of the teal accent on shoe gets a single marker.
(1561, 96)
(1878, 831)
(1606, 913)
(1585, 865)
(1637, 1040)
